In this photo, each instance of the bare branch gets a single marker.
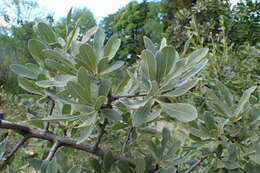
(63, 141)
(196, 164)
(53, 150)
(102, 132)
(12, 153)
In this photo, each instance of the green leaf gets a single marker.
(44, 166)
(149, 45)
(124, 167)
(161, 65)
(99, 39)
(58, 118)
(62, 161)
(85, 132)
(144, 115)
(171, 57)
(166, 134)
(29, 86)
(95, 165)
(88, 34)
(59, 56)
(47, 33)
(149, 64)
(103, 64)
(140, 165)
(52, 167)
(181, 89)
(35, 47)
(101, 100)
(181, 111)
(85, 83)
(75, 169)
(167, 170)
(217, 105)
(56, 66)
(111, 114)
(77, 91)
(243, 100)
(163, 43)
(57, 81)
(23, 71)
(36, 164)
(87, 55)
(89, 119)
(113, 67)
(197, 56)
(112, 47)
(256, 156)
(224, 93)
(108, 161)
(104, 87)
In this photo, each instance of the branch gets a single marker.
(196, 164)
(63, 141)
(102, 132)
(127, 140)
(12, 153)
(53, 150)
(51, 111)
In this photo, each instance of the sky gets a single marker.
(100, 8)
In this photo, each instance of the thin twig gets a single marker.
(12, 153)
(127, 140)
(63, 141)
(196, 164)
(102, 132)
(46, 127)
(53, 150)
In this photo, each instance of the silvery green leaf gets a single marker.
(77, 91)
(99, 39)
(29, 86)
(101, 100)
(161, 65)
(88, 34)
(23, 71)
(163, 43)
(47, 33)
(149, 45)
(181, 111)
(57, 81)
(88, 119)
(75, 169)
(112, 47)
(35, 47)
(111, 114)
(148, 64)
(243, 100)
(113, 67)
(197, 56)
(85, 132)
(181, 89)
(58, 118)
(171, 57)
(88, 57)
(224, 93)
(104, 87)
